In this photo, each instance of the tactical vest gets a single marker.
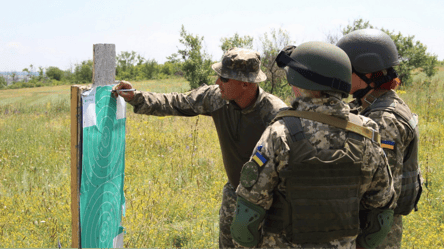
(322, 199)
(411, 175)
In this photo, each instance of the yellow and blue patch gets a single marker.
(385, 144)
(259, 158)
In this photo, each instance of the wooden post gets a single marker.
(104, 70)
(75, 163)
(104, 73)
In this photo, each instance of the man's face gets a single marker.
(230, 90)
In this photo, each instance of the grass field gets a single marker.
(174, 172)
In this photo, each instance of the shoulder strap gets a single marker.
(397, 108)
(334, 121)
(372, 97)
(294, 126)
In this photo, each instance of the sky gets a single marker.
(62, 33)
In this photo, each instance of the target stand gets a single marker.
(98, 157)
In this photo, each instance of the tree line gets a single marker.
(194, 63)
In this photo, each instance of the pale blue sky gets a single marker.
(62, 33)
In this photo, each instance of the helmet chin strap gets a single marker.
(359, 94)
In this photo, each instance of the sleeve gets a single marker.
(395, 137)
(202, 100)
(259, 176)
(380, 192)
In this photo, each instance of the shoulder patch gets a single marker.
(259, 158)
(386, 144)
(249, 174)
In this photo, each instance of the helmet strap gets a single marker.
(283, 59)
(359, 94)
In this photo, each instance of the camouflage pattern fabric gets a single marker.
(275, 146)
(392, 129)
(394, 237)
(240, 64)
(226, 214)
(270, 240)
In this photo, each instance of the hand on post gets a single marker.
(128, 96)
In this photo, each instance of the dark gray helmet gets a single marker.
(369, 50)
(317, 66)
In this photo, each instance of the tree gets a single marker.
(14, 77)
(149, 69)
(54, 73)
(125, 65)
(412, 55)
(236, 41)
(271, 45)
(130, 66)
(27, 71)
(3, 82)
(196, 62)
(83, 72)
(41, 73)
(356, 25)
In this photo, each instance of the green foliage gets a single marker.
(413, 55)
(34, 82)
(68, 76)
(26, 70)
(41, 73)
(83, 72)
(271, 45)
(133, 66)
(3, 82)
(54, 73)
(356, 25)
(196, 62)
(236, 41)
(126, 65)
(149, 69)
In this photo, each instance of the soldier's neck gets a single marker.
(248, 98)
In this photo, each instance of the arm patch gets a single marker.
(249, 174)
(386, 144)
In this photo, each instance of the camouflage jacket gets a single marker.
(391, 128)
(274, 145)
(238, 129)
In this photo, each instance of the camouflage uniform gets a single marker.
(392, 129)
(375, 193)
(238, 129)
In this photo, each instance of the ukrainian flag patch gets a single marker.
(259, 159)
(385, 144)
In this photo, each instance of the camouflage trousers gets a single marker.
(226, 215)
(394, 237)
(270, 240)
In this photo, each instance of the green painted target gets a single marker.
(101, 189)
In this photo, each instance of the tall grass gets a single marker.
(425, 228)
(174, 173)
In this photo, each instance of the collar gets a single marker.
(331, 105)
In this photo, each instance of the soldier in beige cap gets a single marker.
(241, 111)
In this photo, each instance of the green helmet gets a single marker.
(317, 66)
(369, 50)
